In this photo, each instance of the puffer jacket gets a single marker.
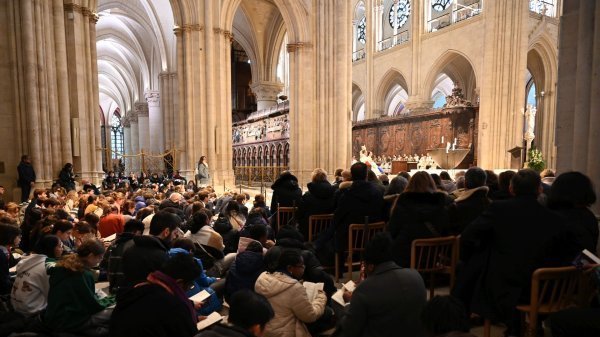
(290, 304)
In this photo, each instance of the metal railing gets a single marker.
(358, 55)
(400, 38)
(543, 7)
(257, 175)
(459, 13)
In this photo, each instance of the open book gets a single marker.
(110, 238)
(339, 295)
(586, 258)
(312, 289)
(211, 319)
(200, 297)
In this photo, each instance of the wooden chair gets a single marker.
(435, 256)
(317, 224)
(284, 214)
(552, 290)
(357, 240)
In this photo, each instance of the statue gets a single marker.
(529, 135)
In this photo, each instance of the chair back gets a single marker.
(360, 234)
(554, 289)
(317, 224)
(284, 214)
(434, 255)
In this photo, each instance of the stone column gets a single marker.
(155, 122)
(135, 142)
(578, 101)
(418, 98)
(372, 8)
(266, 93)
(126, 142)
(503, 87)
(141, 111)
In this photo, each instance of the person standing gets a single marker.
(26, 177)
(203, 173)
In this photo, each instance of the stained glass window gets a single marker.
(116, 136)
(402, 12)
(440, 5)
(362, 30)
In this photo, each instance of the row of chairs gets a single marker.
(552, 289)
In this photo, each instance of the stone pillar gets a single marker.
(372, 8)
(418, 98)
(135, 142)
(141, 111)
(266, 93)
(503, 87)
(155, 122)
(126, 143)
(578, 101)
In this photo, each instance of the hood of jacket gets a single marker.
(464, 194)
(289, 182)
(273, 284)
(27, 264)
(321, 189)
(364, 191)
(248, 262)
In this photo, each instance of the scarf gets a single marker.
(168, 283)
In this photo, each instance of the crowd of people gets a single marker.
(158, 243)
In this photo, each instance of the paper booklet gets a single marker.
(586, 258)
(110, 238)
(211, 319)
(200, 297)
(339, 295)
(312, 289)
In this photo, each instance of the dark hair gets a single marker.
(359, 171)
(397, 185)
(475, 177)
(8, 234)
(491, 180)
(163, 220)
(62, 226)
(405, 174)
(255, 247)
(444, 314)
(199, 220)
(437, 180)
(504, 180)
(232, 205)
(181, 267)
(445, 176)
(571, 189)
(46, 245)
(61, 214)
(133, 225)
(184, 243)
(526, 182)
(88, 247)
(338, 172)
(247, 308)
(82, 227)
(289, 257)
(378, 250)
(258, 231)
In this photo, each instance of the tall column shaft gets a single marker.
(135, 142)
(141, 111)
(155, 122)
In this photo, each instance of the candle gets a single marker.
(442, 140)
(454, 141)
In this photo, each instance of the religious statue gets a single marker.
(529, 135)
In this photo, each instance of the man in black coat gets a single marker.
(26, 177)
(150, 251)
(319, 199)
(504, 246)
(471, 201)
(389, 301)
(286, 192)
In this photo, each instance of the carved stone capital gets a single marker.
(126, 122)
(132, 117)
(178, 31)
(141, 109)
(266, 91)
(153, 98)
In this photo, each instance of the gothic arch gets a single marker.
(458, 67)
(358, 101)
(392, 83)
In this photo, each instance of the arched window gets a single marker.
(359, 34)
(116, 136)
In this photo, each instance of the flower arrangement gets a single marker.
(535, 160)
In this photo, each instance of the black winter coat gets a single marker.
(146, 255)
(150, 311)
(26, 173)
(319, 199)
(416, 216)
(286, 193)
(243, 272)
(466, 208)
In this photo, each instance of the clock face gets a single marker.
(399, 18)
(440, 5)
(362, 30)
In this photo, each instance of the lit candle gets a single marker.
(442, 140)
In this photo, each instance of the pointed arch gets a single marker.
(392, 89)
(458, 67)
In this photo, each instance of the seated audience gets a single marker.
(290, 302)
(249, 314)
(244, 271)
(10, 237)
(73, 306)
(420, 213)
(445, 316)
(571, 195)
(113, 258)
(504, 246)
(319, 199)
(149, 252)
(29, 295)
(158, 305)
(389, 301)
(503, 191)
